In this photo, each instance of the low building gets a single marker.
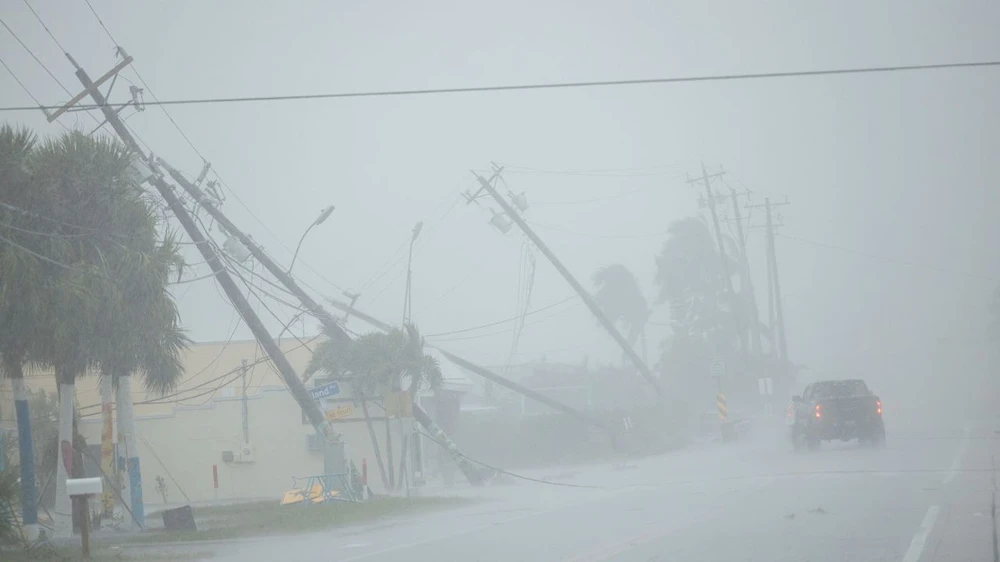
(199, 431)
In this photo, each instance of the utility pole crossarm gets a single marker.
(595, 309)
(126, 60)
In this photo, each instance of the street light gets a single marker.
(323, 215)
(407, 304)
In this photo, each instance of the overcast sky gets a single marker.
(891, 250)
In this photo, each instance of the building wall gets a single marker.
(181, 436)
(183, 446)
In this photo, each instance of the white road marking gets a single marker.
(920, 539)
(957, 463)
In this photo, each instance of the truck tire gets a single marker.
(878, 437)
(798, 441)
(812, 442)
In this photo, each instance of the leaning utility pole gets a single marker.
(239, 301)
(754, 312)
(776, 284)
(511, 212)
(706, 179)
(331, 326)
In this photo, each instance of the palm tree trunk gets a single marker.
(63, 511)
(107, 446)
(378, 453)
(121, 456)
(26, 450)
(388, 452)
(127, 426)
(404, 450)
(642, 335)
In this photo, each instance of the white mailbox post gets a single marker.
(83, 488)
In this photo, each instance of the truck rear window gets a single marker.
(837, 389)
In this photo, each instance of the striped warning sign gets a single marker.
(720, 403)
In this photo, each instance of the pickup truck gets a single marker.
(836, 409)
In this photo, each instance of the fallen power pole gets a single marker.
(595, 309)
(486, 373)
(239, 301)
(331, 325)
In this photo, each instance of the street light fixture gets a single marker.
(323, 215)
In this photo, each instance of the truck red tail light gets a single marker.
(819, 411)
(878, 407)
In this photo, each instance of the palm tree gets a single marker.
(139, 333)
(621, 299)
(375, 364)
(690, 277)
(92, 186)
(21, 297)
(9, 532)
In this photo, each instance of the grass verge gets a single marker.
(269, 518)
(70, 554)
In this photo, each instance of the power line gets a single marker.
(561, 85)
(45, 27)
(498, 470)
(43, 257)
(26, 212)
(146, 86)
(165, 399)
(40, 63)
(194, 279)
(41, 233)
(19, 83)
(596, 199)
(162, 106)
(100, 21)
(565, 231)
(273, 235)
(599, 172)
(899, 261)
(504, 321)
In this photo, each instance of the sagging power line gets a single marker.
(554, 85)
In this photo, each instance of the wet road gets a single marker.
(926, 496)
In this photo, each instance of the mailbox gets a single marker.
(84, 486)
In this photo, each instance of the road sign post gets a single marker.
(718, 370)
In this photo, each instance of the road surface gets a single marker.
(926, 496)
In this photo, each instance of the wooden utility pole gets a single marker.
(779, 327)
(752, 301)
(239, 301)
(727, 285)
(595, 309)
(706, 180)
